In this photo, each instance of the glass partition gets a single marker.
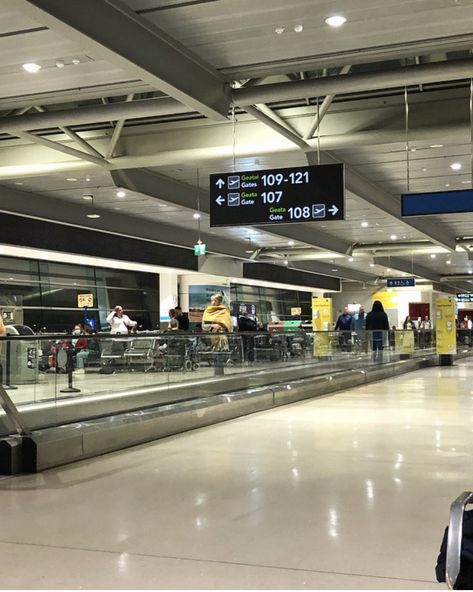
(57, 379)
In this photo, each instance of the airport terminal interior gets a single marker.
(236, 294)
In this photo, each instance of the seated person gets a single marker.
(89, 348)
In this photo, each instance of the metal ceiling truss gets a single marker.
(120, 36)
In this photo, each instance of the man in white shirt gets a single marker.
(119, 322)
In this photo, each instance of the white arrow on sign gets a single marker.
(333, 210)
(220, 200)
(220, 183)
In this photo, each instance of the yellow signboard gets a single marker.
(84, 300)
(445, 328)
(321, 325)
(387, 299)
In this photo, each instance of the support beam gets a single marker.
(324, 268)
(277, 127)
(114, 32)
(73, 136)
(62, 148)
(324, 107)
(354, 83)
(386, 202)
(94, 114)
(117, 132)
(409, 267)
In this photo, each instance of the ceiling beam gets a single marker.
(62, 148)
(93, 114)
(388, 203)
(363, 55)
(117, 132)
(75, 137)
(353, 83)
(408, 267)
(111, 30)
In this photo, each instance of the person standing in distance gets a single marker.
(377, 321)
(344, 326)
(120, 322)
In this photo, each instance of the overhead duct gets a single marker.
(353, 83)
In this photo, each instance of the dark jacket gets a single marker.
(246, 324)
(183, 322)
(465, 577)
(377, 320)
(343, 322)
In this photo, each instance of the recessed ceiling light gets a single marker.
(371, 264)
(436, 146)
(350, 259)
(117, 208)
(291, 243)
(413, 149)
(93, 215)
(286, 262)
(448, 262)
(75, 61)
(87, 179)
(337, 20)
(424, 170)
(196, 215)
(71, 179)
(31, 68)
(364, 224)
(298, 28)
(88, 197)
(334, 269)
(279, 30)
(433, 255)
(393, 236)
(456, 166)
(447, 184)
(466, 182)
(388, 269)
(18, 183)
(121, 193)
(470, 271)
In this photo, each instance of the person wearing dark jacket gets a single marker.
(343, 325)
(377, 321)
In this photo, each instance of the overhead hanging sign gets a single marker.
(402, 282)
(466, 297)
(278, 196)
(437, 202)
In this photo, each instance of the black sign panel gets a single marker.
(437, 202)
(402, 282)
(278, 196)
(467, 297)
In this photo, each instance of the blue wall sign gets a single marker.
(402, 282)
(437, 202)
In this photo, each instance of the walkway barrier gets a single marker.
(117, 381)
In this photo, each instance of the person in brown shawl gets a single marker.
(217, 319)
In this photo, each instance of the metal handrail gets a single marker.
(454, 541)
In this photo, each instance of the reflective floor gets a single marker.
(347, 491)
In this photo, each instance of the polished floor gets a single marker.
(347, 491)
